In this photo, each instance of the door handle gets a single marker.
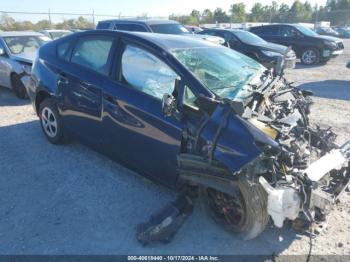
(112, 100)
(62, 79)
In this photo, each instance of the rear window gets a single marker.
(130, 27)
(103, 25)
(93, 52)
(173, 29)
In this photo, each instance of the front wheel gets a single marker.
(243, 212)
(50, 121)
(310, 56)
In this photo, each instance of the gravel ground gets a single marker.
(70, 200)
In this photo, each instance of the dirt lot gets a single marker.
(70, 200)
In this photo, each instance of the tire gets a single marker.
(250, 215)
(18, 87)
(310, 56)
(50, 121)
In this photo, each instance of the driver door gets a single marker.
(135, 130)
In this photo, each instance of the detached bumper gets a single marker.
(328, 178)
(331, 176)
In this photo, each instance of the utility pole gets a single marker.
(316, 17)
(93, 17)
(49, 13)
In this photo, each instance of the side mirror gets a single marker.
(168, 105)
(2, 51)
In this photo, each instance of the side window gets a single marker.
(103, 25)
(288, 31)
(130, 27)
(145, 72)
(62, 51)
(229, 37)
(268, 31)
(93, 52)
(209, 33)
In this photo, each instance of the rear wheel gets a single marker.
(243, 212)
(310, 56)
(18, 87)
(50, 121)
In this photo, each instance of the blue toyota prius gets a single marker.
(192, 115)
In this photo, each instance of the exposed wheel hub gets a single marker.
(228, 207)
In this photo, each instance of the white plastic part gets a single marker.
(332, 160)
(282, 203)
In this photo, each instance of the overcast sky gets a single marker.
(161, 8)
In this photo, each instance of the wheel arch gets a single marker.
(40, 97)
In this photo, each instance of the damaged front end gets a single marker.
(269, 141)
(256, 158)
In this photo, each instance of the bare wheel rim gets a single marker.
(49, 122)
(309, 56)
(230, 209)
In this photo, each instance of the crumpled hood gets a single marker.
(25, 57)
(330, 38)
(210, 38)
(273, 47)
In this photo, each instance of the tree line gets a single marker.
(7, 23)
(335, 11)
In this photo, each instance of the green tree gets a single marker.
(220, 16)
(42, 24)
(196, 15)
(207, 16)
(238, 13)
(7, 22)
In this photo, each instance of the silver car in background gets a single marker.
(17, 52)
(55, 33)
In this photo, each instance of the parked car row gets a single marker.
(268, 54)
(309, 46)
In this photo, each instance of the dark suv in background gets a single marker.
(268, 54)
(309, 46)
(155, 26)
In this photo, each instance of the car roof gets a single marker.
(226, 29)
(19, 33)
(164, 41)
(141, 21)
(55, 30)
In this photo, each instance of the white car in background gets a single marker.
(17, 52)
(55, 34)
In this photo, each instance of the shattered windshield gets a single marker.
(227, 73)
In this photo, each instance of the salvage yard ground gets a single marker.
(70, 200)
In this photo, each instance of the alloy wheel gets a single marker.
(49, 122)
(309, 57)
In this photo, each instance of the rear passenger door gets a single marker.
(269, 33)
(80, 84)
